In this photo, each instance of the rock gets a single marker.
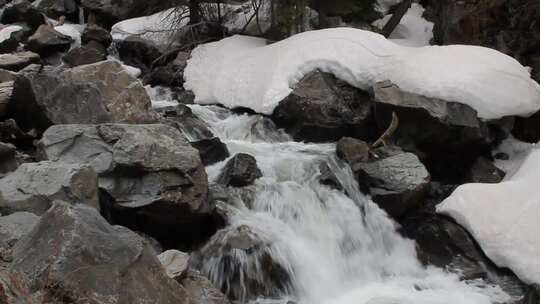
(6, 90)
(10, 44)
(13, 227)
(34, 186)
(397, 182)
(22, 11)
(46, 41)
(73, 253)
(327, 177)
(171, 74)
(175, 263)
(18, 61)
(106, 13)
(252, 270)
(6, 76)
(322, 108)
(241, 170)
(211, 150)
(182, 118)
(95, 93)
(87, 54)
(201, 290)
(8, 158)
(97, 34)
(138, 52)
(155, 180)
(527, 128)
(352, 150)
(10, 132)
(57, 8)
(484, 171)
(448, 136)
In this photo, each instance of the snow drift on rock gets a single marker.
(245, 72)
(5, 33)
(157, 28)
(504, 218)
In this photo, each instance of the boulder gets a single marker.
(484, 171)
(13, 227)
(18, 61)
(175, 262)
(9, 44)
(448, 136)
(211, 150)
(57, 8)
(170, 74)
(46, 41)
(22, 11)
(397, 182)
(252, 270)
(182, 118)
(241, 170)
(97, 34)
(95, 93)
(201, 290)
(527, 128)
(34, 186)
(154, 180)
(322, 108)
(86, 54)
(138, 52)
(74, 256)
(352, 150)
(6, 90)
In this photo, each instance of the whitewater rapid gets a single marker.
(338, 249)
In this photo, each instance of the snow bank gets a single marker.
(413, 29)
(157, 27)
(5, 33)
(504, 218)
(243, 71)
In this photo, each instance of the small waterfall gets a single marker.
(335, 248)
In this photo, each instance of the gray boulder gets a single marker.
(18, 61)
(46, 41)
(352, 150)
(13, 227)
(34, 186)
(252, 270)
(175, 262)
(448, 136)
(322, 108)
(155, 179)
(397, 182)
(241, 170)
(86, 54)
(95, 93)
(74, 256)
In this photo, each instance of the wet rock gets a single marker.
(484, 171)
(34, 186)
(182, 118)
(448, 136)
(353, 151)
(154, 179)
(22, 11)
(241, 170)
(527, 128)
(13, 227)
(242, 266)
(94, 93)
(201, 290)
(397, 182)
(87, 54)
(327, 177)
(170, 74)
(46, 41)
(18, 61)
(138, 52)
(175, 263)
(73, 253)
(97, 34)
(322, 108)
(211, 150)
(57, 8)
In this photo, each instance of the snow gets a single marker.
(157, 28)
(384, 5)
(517, 152)
(242, 71)
(72, 30)
(5, 33)
(504, 218)
(413, 29)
